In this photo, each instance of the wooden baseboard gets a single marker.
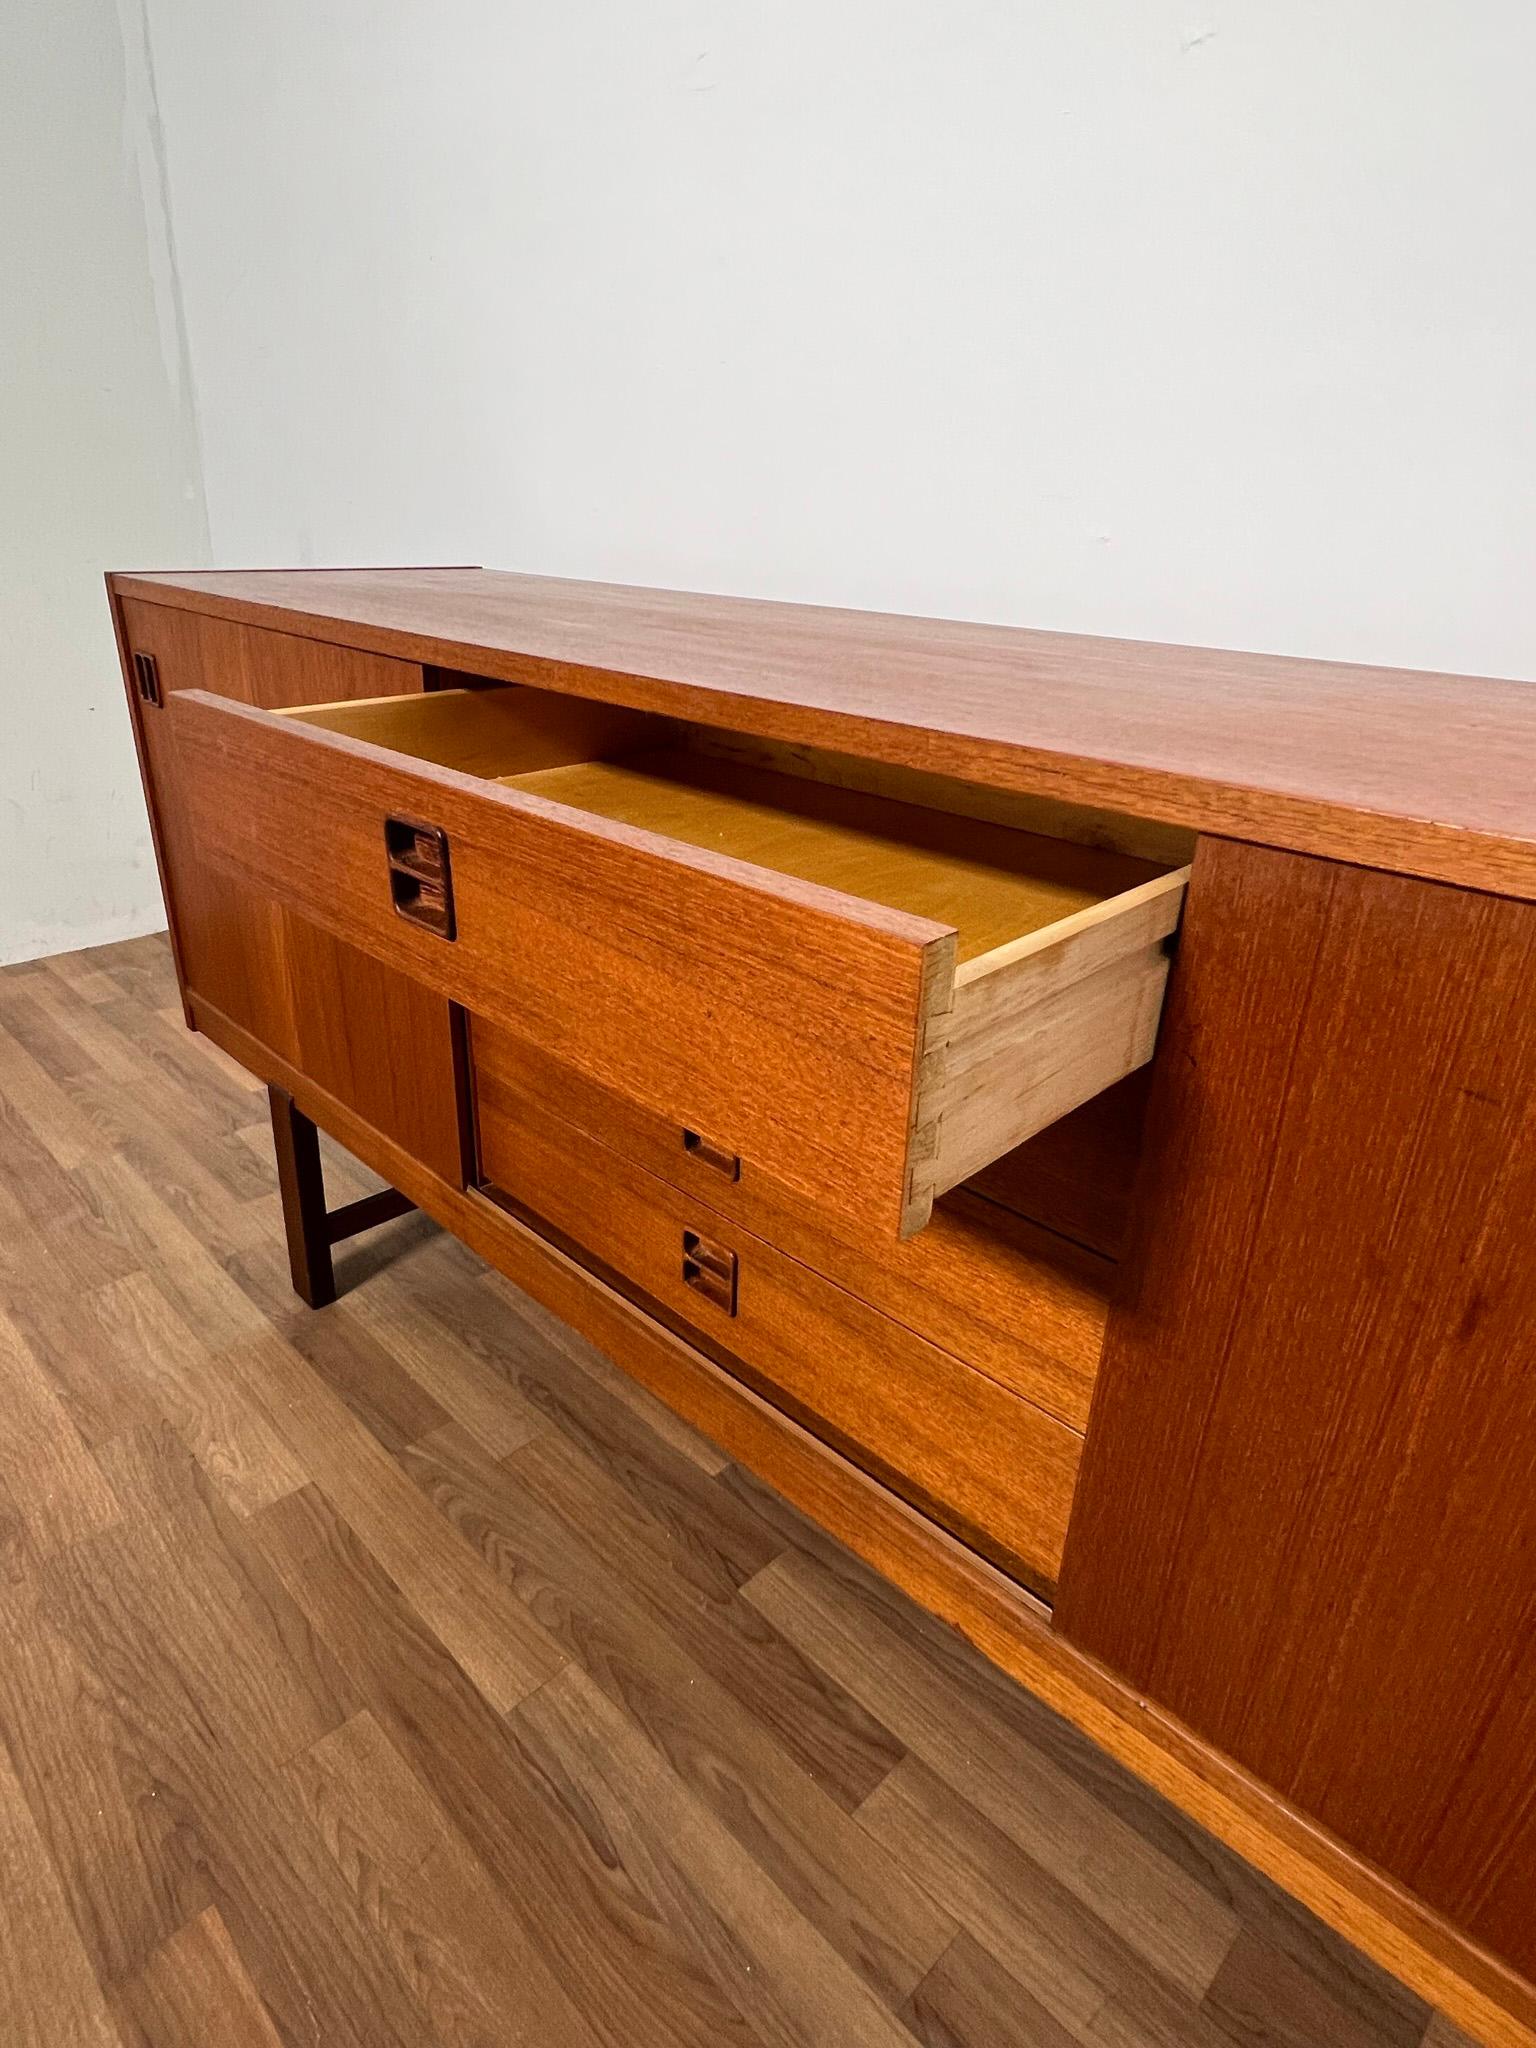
(1369, 1909)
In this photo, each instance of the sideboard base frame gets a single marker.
(310, 1228)
(1005, 1623)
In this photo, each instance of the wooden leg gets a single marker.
(301, 1181)
(312, 1229)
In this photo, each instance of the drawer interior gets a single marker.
(995, 868)
(993, 883)
(838, 959)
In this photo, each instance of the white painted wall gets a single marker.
(1188, 318)
(98, 464)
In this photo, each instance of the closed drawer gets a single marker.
(1021, 1304)
(995, 1469)
(868, 998)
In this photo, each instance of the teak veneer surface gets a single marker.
(979, 1459)
(747, 1003)
(829, 1036)
(1358, 1504)
(990, 882)
(329, 1007)
(1423, 773)
(1018, 1302)
(1377, 1250)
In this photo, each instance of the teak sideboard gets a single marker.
(1061, 1110)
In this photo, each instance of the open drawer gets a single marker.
(869, 997)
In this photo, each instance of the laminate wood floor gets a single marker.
(401, 1674)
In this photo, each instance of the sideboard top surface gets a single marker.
(1426, 774)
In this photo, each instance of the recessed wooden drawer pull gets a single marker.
(420, 880)
(728, 1163)
(996, 1469)
(710, 1270)
(146, 673)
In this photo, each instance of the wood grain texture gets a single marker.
(575, 1903)
(993, 883)
(180, 1597)
(1259, 1992)
(486, 731)
(1419, 773)
(1068, 1843)
(1020, 1303)
(466, 1386)
(967, 1997)
(503, 1652)
(994, 1467)
(1167, 846)
(556, 1528)
(319, 1003)
(166, 1677)
(685, 1569)
(195, 1986)
(48, 1993)
(782, 951)
(1442, 2033)
(152, 1348)
(1041, 1026)
(1077, 1176)
(229, 938)
(301, 1185)
(705, 988)
(1306, 1512)
(52, 1483)
(787, 1989)
(278, 670)
(471, 1967)
(376, 1039)
(1074, 1967)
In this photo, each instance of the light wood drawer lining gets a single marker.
(994, 884)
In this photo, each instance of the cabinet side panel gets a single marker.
(1306, 1518)
(230, 939)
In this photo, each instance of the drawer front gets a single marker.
(994, 1468)
(741, 1001)
(1022, 1305)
